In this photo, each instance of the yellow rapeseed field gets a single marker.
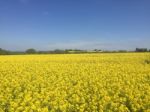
(113, 82)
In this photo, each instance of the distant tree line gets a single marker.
(66, 51)
(4, 52)
(142, 50)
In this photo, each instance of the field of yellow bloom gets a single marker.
(113, 82)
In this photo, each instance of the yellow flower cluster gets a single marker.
(118, 82)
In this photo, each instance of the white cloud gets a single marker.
(89, 45)
(86, 45)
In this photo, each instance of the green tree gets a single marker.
(31, 51)
(4, 52)
(141, 50)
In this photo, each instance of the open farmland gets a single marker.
(75, 83)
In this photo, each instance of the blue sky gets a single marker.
(81, 24)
